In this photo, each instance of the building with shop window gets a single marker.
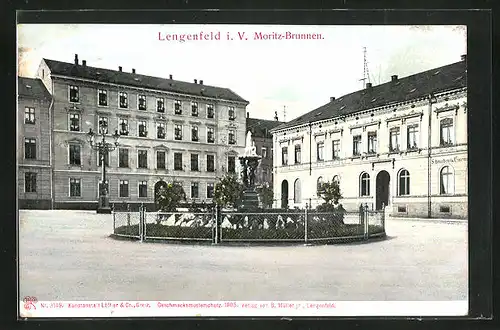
(170, 131)
(33, 147)
(401, 144)
(261, 134)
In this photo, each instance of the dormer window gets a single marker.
(74, 95)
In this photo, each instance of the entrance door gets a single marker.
(382, 189)
(284, 194)
(158, 185)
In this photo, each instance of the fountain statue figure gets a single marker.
(249, 162)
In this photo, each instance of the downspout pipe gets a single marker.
(310, 148)
(432, 99)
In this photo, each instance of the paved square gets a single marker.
(67, 255)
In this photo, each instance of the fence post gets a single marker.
(114, 220)
(128, 214)
(141, 222)
(305, 223)
(367, 221)
(217, 224)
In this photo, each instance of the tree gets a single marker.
(266, 195)
(170, 196)
(228, 191)
(330, 193)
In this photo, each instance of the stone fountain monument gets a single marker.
(249, 162)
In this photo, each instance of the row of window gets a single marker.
(446, 139)
(446, 183)
(75, 187)
(123, 103)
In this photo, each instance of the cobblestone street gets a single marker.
(68, 255)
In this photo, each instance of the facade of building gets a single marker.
(400, 145)
(169, 130)
(263, 139)
(33, 144)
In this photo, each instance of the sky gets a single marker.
(289, 76)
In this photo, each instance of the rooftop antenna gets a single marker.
(366, 72)
(284, 113)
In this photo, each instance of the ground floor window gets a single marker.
(404, 183)
(364, 185)
(143, 189)
(74, 187)
(446, 180)
(124, 188)
(30, 182)
(296, 191)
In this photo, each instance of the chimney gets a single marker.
(201, 82)
(76, 59)
(276, 115)
(195, 81)
(463, 57)
(248, 114)
(84, 62)
(332, 98)
(170, 77)
(133, 70)
(368, 85)
(120, 68)
(394, 78)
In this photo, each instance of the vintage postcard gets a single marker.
(242, 170)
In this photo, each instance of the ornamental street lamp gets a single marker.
(98, 142)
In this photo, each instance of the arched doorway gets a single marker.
(284, 194)
(158, 185)
(382, 189)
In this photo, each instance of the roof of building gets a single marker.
(445, 78)
(33, 88)
(141, 81)
(261, 127)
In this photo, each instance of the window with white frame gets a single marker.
(210, 111)
(394, 139)
(123, 157)
(124, 126)
(194, 133)
(103, 122)
(194, 109)
(160, 104)
(356, 145)
(178, 132)
(74, 154)
(232, 136)
(102, 97)
(30, 148)
(364, 184)
(30, 182)
(194, 163)
(178, 107)
(335, 149)
(74, 94)
(296, 191)
(446, 180)
(446, 130)
(320, 148)
(141, 102)
(178, 161)
(284, 156)
(29, 115)
(404, 183)
(124, 190)
(210, 135)
(142, 158)
(210, 163)
(75, 187)
(123, 99)
(231, 114)
(412, 136)
(210, 190)
(298, 154)
(143, 189)
(194, 189)
(74, 122)
(372, 142)
(160, 159)
(231, 164)
(319, 185)
(160, 131)
(143, 128)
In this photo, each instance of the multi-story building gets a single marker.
(261, 134)
(33, 144)
(170, 131)
(401, 144)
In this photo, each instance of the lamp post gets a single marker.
(98, 142)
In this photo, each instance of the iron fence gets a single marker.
(274, 225)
